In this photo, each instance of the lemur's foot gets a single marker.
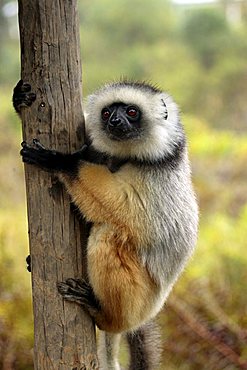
(79, 291)
(28, 261)
(23, 96)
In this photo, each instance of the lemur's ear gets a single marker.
(165, 110)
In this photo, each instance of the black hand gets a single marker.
(22, 96)
(51, 160)
(39, 156)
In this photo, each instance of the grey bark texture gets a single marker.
(64, 335)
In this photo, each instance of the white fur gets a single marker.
(158, 139)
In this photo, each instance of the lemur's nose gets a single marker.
(115, 121)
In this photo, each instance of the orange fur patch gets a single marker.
(122, 285)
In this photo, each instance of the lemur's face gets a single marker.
(121, 121)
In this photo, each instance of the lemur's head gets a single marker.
(133, 119)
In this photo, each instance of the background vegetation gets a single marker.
(198, 54)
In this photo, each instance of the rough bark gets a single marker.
(64, 336)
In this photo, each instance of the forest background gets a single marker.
(198, 53)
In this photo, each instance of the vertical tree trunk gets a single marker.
(64, 335)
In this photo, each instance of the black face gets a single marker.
(121, 121)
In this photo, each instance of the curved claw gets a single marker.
(38, 144)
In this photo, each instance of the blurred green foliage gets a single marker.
(199, 57)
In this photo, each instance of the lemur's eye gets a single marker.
(132, 112)
(105, 114)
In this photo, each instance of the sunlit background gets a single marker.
(197, 51)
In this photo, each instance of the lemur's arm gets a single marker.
(52, 160)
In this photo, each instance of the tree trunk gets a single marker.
(64, 336)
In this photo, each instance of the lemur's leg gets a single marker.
(80, 292)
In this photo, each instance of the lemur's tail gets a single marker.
(144, 347)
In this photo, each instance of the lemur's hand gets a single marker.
(51, 160)
(23, 96)
(38, 155)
